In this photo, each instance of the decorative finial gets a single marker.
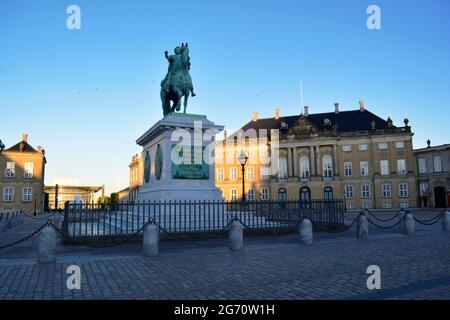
(2, 146)
(428, 143)
(389, 122)
(406, 121)
(372, 124)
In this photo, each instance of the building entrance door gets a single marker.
(439, 197)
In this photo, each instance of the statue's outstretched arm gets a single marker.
(166, 54)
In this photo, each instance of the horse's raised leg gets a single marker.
(186, 98)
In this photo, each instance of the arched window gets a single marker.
(304, 168)
(328, 193)
(305, 194)
(282, 173)
(327, 163)
(282, 194)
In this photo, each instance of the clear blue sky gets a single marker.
(86, 95)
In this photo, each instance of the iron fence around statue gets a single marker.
(193, 217)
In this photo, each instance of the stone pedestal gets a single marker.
(362, 229)
(188, 137)
(306, 232)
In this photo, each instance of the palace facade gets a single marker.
(22, 177)
(355, 155)
(433, 175)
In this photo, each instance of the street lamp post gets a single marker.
(243, 160)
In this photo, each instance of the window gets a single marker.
(328, 193)
(387, 205)
(251, 154)
(219, 154)
(304, 168)
(437, 163)
(348, 192)
(10, 169)
(365, 191)
(266, 173)
(327, 167)
(401, 166)
(423, 188)
(282, 194)
(404, 205)
(422, 165)
(364, 168)
(382, 146)
(347, 147)
(403, 190)
(8, 194)
(384, 167)
(386, 191)
(28, 173)
(399, 145)
(220, 174)
(230, 155)
(363, 147)
(348, 172)
(265, 195)
(250, 173)
(305, 194)
(250, 194)
(233, 194)
(282, 174)
(27, 194)
(365, 206)
(233, 173)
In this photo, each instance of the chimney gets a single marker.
(306, 111)
(24, 137)
(225, 135)
(277, 113)
(336, 108)
(255, 116)
(361, 105)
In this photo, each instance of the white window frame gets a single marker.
(27, 197)
(304, 168)
(386, 190)
(8, 196)
(363, 147)
(384, 170)
(422, 164)
(220, 174)
(28, 172)
(282, 167)
(401, 166)
(327, 167)
(349, 191)
(364, 168)
(10, 171)
(348, 169)
(233, 194)
(383, 146)
(233, 174)
(265, 193)
(250, 173)
(403, 190)
(400, 145)
(250, 194)
(365, 191)
(347, 148)
(437, 164)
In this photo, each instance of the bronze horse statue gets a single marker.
(177, 83)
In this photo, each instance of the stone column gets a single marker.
(289, 160)
(150, 240)
(318, 162)
(335, 160)
(47, 245)
(446, 221)
(312, 160)
(236, 236)
(362, 228)
(306, 232)
(410, 227)
(296, 163)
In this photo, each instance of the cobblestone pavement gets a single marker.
(333, 267)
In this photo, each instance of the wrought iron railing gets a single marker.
(188, 217)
